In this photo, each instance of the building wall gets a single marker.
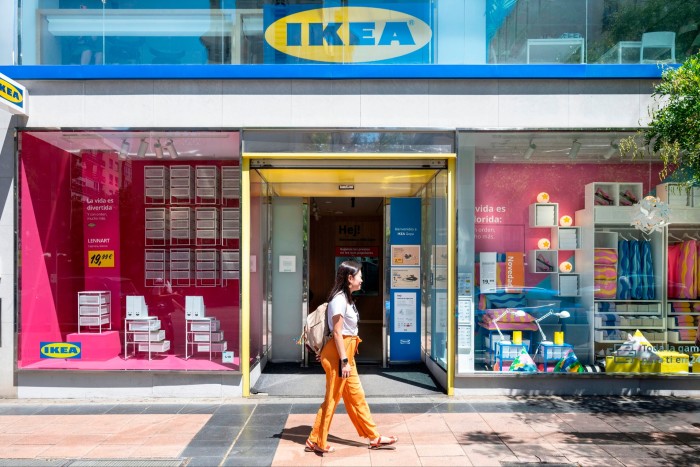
(7, 254)
(175, 104)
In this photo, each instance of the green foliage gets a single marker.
(674, 130)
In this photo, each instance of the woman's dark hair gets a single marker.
(346, 268)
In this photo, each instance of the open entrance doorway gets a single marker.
(317, 217)
(294, 249)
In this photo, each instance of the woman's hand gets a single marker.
(347, 369)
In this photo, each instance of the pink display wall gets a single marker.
(504, 192)
(73, 204)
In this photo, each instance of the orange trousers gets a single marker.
(350, 389)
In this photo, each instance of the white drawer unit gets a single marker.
(181, 266)
(155, 265)
(230, 226)
(156, 181)
(181, 184)
(181, 226)
(143, 325)
(207, 226)
(94, 311)
(152, 336)
(230, 266)
(157, 228)
(154, 347)
(206, 185)
(230, 185)
(202, 333)
(143, 334)
(206, 267)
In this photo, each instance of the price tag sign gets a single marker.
(101, 258)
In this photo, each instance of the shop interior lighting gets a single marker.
(124, 150)
(171, 149)
(614, 148)
(575, 148)
(158, 148)
(143, 147)
(519, 313)
(560, 314)
(530, 150)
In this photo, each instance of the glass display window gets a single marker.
(122, 260)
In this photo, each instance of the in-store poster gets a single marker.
(100, 200)
(405, 241)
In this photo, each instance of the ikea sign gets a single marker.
(60, 350)
(353, 34)
(13, 96)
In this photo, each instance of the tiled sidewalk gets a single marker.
(435, 431)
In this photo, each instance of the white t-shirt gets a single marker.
(339, 306)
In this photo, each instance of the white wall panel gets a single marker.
(341, 104)
(120, 104)
(394, 103)
(326, 104)
(177, 103)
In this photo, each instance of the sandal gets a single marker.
(383, 441)
(313, 447)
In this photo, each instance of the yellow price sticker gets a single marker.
(101, 258)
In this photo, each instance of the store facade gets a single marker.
(168, 221)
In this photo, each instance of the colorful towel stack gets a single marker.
(684, 321)
(683, 271)
(687, 334)
(605, 273)
(682, 307)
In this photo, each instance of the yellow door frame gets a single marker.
(451, 244)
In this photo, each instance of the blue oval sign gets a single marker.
(348, 34)
(60, 349)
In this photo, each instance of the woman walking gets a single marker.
(338, 361)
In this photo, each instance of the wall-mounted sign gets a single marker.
(348, 34)
(13, 96)
(288, 263)
(346, 187)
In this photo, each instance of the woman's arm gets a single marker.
(339, 344)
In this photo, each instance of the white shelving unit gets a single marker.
(207, 226)
(141, 331)
(206, 268)
(157, 227)
(544, 215)
(156, 181)
(206, 185)
(230, 226)
(94, 310)
(202, 333)
(602, 226)
(181, 266)
(675, 327)
(182, 226)
(156, 267)
(181, 184)
(230, 266)
(230, 184)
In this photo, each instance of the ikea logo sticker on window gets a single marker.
(347, 35)
(60, 350)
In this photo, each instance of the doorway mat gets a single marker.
(292, 380)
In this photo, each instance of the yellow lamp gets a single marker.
(566, 221)
(566, 266)
(544, 244)
(543, 197)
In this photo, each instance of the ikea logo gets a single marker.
(10, 93)
(60, 349)
(348, 34)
